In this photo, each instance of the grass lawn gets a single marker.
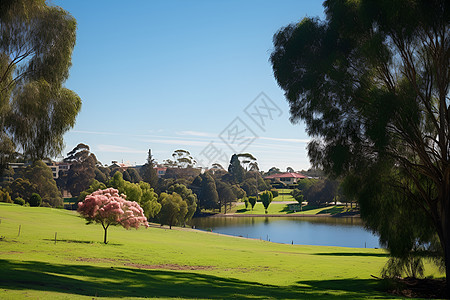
(284, 195)
(283, 209)
(163, 263)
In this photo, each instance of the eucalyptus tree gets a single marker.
(371, 82)
(36, 44)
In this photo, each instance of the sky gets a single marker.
(191, 75)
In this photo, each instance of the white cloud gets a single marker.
(178, 142)
(196, 133)
(117, 149)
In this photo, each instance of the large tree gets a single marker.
(371, 83)
(148, 171)
(36, 43)
(82, 169)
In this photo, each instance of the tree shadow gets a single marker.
(82, 242)
(353, 254)
(332, 211)
(130, 282)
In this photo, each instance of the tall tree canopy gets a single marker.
(371, 83)
(36, 43)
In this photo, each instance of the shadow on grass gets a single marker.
(332, 211)
(353, 254)
(82, 242)
(128, 282)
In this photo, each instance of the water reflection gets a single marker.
(323, 231)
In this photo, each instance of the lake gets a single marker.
(320, 231)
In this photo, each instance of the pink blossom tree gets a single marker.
(107, 207)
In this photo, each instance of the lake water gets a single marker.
(321, 231)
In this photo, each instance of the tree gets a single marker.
(290, 170)
(22, 188)
(235, 169)
(149, 200)
(148, 171)
(108, 208)
(225, 193)
(252, 201)
(273, 170)
(207, 195)
(35, 200)
(5, 197)
(82, 169)
(183, 159)
(35, 50)
(173, 209)
(134, 176)
(41, 176)
(371, 83)
(266, 199)
(187, 195)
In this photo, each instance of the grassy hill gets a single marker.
(162, 263)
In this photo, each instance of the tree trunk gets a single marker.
(106, 230)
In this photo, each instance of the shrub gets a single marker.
(19, 201)
(35, 200)
(5, 197)
(246, 202)
(275, 193)
(266, 198)
(252, 201)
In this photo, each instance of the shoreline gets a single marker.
(343, 215)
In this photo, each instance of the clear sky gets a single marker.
(167, 75)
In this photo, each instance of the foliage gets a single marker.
(41, 176)
(94, 186)
(235, 169)
(266, 199)
(246, 202)
(182, 159)
(297, 194)
(371, 83)
(82, 169)
(35, 200)
(249, 186)
(135, 177)
(19, 201)
(252, 201)
(187, 195)
(173, 209)
(226, 195)
(107, 207)
(274, 193)
(5, 197)
(208, 197)
(239, 193)
(35, 56)
(22, 188)
(148, 171)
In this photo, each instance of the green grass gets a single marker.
(283, 209)
(284, 195)
(163, 263)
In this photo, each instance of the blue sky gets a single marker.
(190, 75)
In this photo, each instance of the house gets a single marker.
(287, 178)
(160, 171)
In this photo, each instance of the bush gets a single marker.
(5, 197)
(266, 199)
(245, 199)
(275, 193)
(19, 201)
(35, 200)
(252, 201)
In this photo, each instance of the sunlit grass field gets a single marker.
(162, 263)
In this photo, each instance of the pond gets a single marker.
(320, 231)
